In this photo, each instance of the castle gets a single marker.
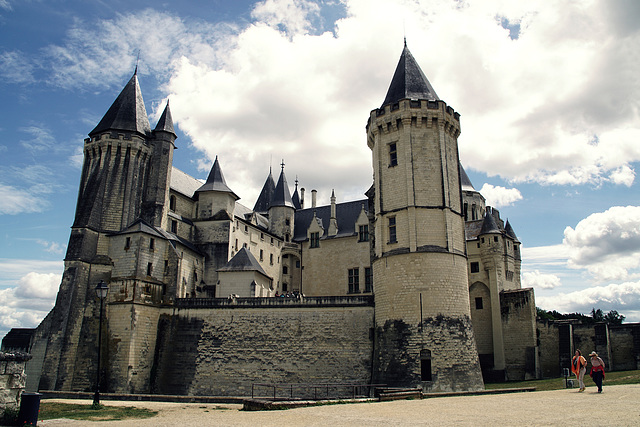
(416, 284)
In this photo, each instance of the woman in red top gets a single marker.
(579, 368)
(597, 370)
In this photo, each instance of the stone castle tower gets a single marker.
(125, 176)
(422, 315)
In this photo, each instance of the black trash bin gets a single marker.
(29, 408)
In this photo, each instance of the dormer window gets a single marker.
(314, 240)
(363, 233)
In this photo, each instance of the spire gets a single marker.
(489, 225)
(465, 182)
(296, 198)
(509, 230)
(281, 195)
(216, 182)
(165, 124)
(127, 113)
(266, 195)
(409, 81)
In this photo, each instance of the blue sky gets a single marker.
(548, 93)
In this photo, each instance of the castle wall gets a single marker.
(548, 336)
(481, 318)
(519, 328)
(223, 350)
(625, 346)
(326, 268)
(130, 347)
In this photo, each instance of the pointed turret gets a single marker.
(215, 197)
(216, 182)
(489, 225)
(165, 124)
(409, 81)
(266, 195)
(509, 230)
(281, 194)
(127, 113)
(296, 198)
(465, 182)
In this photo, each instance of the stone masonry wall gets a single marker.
(518, 313)
(12, 378)
(222, 351)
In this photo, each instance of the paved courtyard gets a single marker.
(616, 406)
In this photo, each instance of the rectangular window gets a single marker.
(495, 239)
(261, 254)
(368, 279)
(174, 227)
(271, 259)
(285, 269)
(475, 267)
(354, 280)
(393, 155)
(479, 303)
(315, 240)
(392, 230)
(152, 243)
(127, 243)
(363, 233)
(149, 269)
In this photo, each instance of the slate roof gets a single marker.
(346, 215)
(264, 199)
(465, 182)
(216, 182)
(296, 198)
(127, 113)
(281, 195)
(184, 183)
(409, 81)
(165, 124)
(243, 261)
(141, 225)
(489, 225)
(509, 230)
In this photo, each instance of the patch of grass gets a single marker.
(52, 410)
(611, 378)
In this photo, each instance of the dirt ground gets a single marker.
(616, 406)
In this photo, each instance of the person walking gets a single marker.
(597, 370)
(579, 368)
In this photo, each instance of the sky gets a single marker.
(548, 93)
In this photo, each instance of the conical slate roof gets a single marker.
(243, 261)
(296, 197)
(216, 182)
(409, 81)
(509, 230)
(281, 195)
(165, 124)
(465, 182)
(489, 225)
(127, 113)
(266, 195)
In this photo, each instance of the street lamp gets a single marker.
(101, 291)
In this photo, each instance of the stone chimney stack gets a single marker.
(313, 198)
(302, 197)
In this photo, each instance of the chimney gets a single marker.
(302, 197)
(313, 198)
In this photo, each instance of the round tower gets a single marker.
(281, 210)
(424, 336)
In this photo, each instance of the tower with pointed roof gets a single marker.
(423, 326)
(281, 209)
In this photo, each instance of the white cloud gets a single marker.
(290, 16)
(52, 247)
(535, 279)
(606, 244)
(497, 196)
(623, 175)
(41, 138)
(16, 201)
(15, 66)
(625, 298)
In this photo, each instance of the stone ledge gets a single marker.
(53, 394)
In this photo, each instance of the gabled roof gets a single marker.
(243, 261)
(465, 182)
(165, 124)
(184, 183)
(127, 113)
(216, 182)
(266, 195)
(281, 195)
(346, 215)
(140, 225)
(409, 81)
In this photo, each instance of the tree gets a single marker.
(597, 315)
(614, 318)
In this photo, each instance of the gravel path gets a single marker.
(616, 406)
